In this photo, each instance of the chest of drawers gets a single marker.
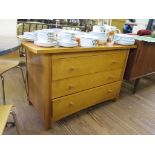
(80, 81)
(64, 82)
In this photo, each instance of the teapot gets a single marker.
(105, 28)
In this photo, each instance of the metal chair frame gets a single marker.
(14, 123)
(3, 83)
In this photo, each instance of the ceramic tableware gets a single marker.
(67, 38)
(101, 36)
(29, 36)
(47, 44)
(88, 41)
(68, 44)
(124, 39)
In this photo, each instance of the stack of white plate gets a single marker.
(29, 36)
(124, 39)
(88, 41)
(45, 38)
(67, 39)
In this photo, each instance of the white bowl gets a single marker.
(101, 36)
(88, 41)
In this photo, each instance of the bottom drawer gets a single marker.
(67, 105)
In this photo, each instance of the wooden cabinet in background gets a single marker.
(141, 61)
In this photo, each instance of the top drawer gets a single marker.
(86, 64)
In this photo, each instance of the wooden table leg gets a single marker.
(30, 103)
(136, 85)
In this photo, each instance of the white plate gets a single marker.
(125, 43)
(25, 39)
(45, 44)
(124, 37)
(69, 44)
(87, 45)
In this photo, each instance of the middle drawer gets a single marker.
(76, 84)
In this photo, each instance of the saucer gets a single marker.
(45, 44)
(68, 44)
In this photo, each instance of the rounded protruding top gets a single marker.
(8, 44)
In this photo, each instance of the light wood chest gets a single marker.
(66, 82)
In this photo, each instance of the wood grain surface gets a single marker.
(42, 50)
(131, 114)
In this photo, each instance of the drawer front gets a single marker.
(67, 105)
(76, 84)
(76, 66)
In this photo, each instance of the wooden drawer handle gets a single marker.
(110, 77)
(72, 69)
(71, 104)
(114, 62)
(110, 91)
(70, 87)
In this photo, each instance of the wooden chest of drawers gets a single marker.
(80, 81)
(63, 83)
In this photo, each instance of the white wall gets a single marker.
(142, 21)
(141, 24)
(8, 27)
